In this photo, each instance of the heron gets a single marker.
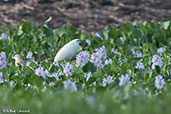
(68, 50)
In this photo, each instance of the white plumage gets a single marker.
(68, 50)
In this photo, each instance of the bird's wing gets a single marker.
(67, 51)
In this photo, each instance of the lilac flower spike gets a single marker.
(82, 58)
(156, 60)
(159, 82)
(70, 85)
(68, 69)
(3, 61)
(124, 79)
(140, 65)
(4, 36)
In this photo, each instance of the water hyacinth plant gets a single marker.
(110, 72)
(159, 82)
(68, 69)
(82, 58)
(140, 65)
(156, 60)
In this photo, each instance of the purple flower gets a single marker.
(70, 85)
(102, 52)
(29, 55)
(3, 61)
(88, 42)
(47, 73)
(56, 64)
(124, 79)
(62, 65)
(51, 84)
(28, 63)
(82, 58)
(1, 77)
(161, 50)
(4, 36)
(108, 61)
(40, 72)
(136, 54)
(140, 65)
(61, 73)
(68, 70)
(87, 75)
(156, 60)
(96, 59)
(114, 51)
(159, 82)
(108, 80)
(55, 75)
(35, 62)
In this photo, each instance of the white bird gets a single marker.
(68, 50)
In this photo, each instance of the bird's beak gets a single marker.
(79, 41)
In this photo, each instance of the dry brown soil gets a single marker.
(91, 15)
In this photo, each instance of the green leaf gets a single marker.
(89, 67)
(91, 80)
(35, 46)
(157, 69)
(113, 33)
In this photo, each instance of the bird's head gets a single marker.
(79, 41)
(17, 56)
